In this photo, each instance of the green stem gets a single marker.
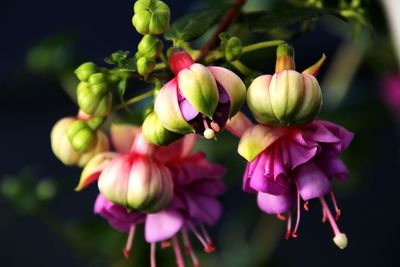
(261, 45)
(164, 59)
(134, 100)
(241, 67)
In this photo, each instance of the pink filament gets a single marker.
(178, 253)
(208, 247)
(296, 227)
(335, 205)
(328, 214)
(129, 242)
(153, 255)
(189, 249)
(289, 226)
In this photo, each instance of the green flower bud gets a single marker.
(151, 17)
(92, 103)
(150, 46)
(46, 189)
(98, 83)
(145, 66)
(155, 133)
(285, 98)
(81, 136)
(84, 71)
(66, 153)
(233, 49)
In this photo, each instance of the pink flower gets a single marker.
(391, 93)
(290, 164)
(197, 183)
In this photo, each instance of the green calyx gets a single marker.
(84, 71)
(155, 133)
(151, 17)
(145, 66)
(81, 136)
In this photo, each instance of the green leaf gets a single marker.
(121, 59)
(195, 24)
(263, 21)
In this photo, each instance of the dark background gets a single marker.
(31, 103)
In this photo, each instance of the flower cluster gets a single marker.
(153, 178)
(168, 189)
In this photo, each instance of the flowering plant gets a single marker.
(152, 177)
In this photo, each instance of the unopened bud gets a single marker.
(151, 17)
(145, 66)
(81, 136)
(150, 46)
(92, 103)
(155, 133)
(98, 83)
(233, 49)
(84, 71)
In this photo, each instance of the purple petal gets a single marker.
(311, 181)
(300, 154)
(116, 215)
(187, 110)
(247, 176)
(318, 132)
(333, 168)
(273, 204)
(203, 209)
(341, 133)
(162, 225)
(209, 187)
(223, 95)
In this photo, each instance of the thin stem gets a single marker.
(261, 45)
(241, 67)
(164, 59)
(225, 23)
(134, 100)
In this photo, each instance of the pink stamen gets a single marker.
(281, 217)
(215, 127)
(328, 214)
(335, 205)
(189, 249)
(289, 226)
(178, 253)
(296, 227)
(208, 247)
(165, 244)
(306, 207)
(153, 255)
(128, 246)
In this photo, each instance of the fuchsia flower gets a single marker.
(290, 164)
(199, 99)
(196, 183)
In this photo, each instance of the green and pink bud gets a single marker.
(288, 97)
(155, 133)
(199, 99)
(65, 151)
(136, 180)
(151, 17)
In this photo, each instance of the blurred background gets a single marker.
(44, 222)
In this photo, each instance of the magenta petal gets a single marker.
(300, 154)
(223, 95)
(116, 215)
(162, 225)
(318, 132)
(341, 133)
(311, 181)
(333, 168)
(187, 110)
(273, 204)
(246, 178)
(203, 209)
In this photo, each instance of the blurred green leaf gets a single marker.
(195, 24)
(264, 21)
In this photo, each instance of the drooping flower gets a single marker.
(199, 99)
(290, 164)
(197, 183)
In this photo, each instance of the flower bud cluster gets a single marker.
(151, 17)
(149, 48)
(93, 92)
